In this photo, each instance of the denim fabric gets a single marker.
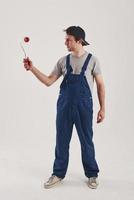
(75, 106)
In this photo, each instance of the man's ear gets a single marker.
(80, 41)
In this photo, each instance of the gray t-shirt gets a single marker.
(93, 67)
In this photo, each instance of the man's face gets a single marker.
(70, 43)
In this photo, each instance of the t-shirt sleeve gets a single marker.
(57, 70)
(96, 67)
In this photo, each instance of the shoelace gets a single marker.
(51, 178)
(93, 179)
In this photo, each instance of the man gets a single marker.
(74, 104)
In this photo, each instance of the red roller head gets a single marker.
(26, 39)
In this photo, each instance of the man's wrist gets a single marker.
(102, 108)
(31, 68)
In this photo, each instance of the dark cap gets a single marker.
(77, 32)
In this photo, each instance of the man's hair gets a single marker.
(70, 31)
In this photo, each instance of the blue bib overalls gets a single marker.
(74, 106)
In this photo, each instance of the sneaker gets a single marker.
(93, 182)
(52, 181)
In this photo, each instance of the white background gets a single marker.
(28, 108)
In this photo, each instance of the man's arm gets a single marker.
(101, 97)
(47, 80)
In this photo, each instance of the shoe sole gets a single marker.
(93, 187)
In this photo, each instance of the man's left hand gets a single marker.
(100, 116)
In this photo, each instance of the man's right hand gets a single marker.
(47, 80)
(27, 63)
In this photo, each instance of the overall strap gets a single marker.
(86, 64)
(68, 66)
